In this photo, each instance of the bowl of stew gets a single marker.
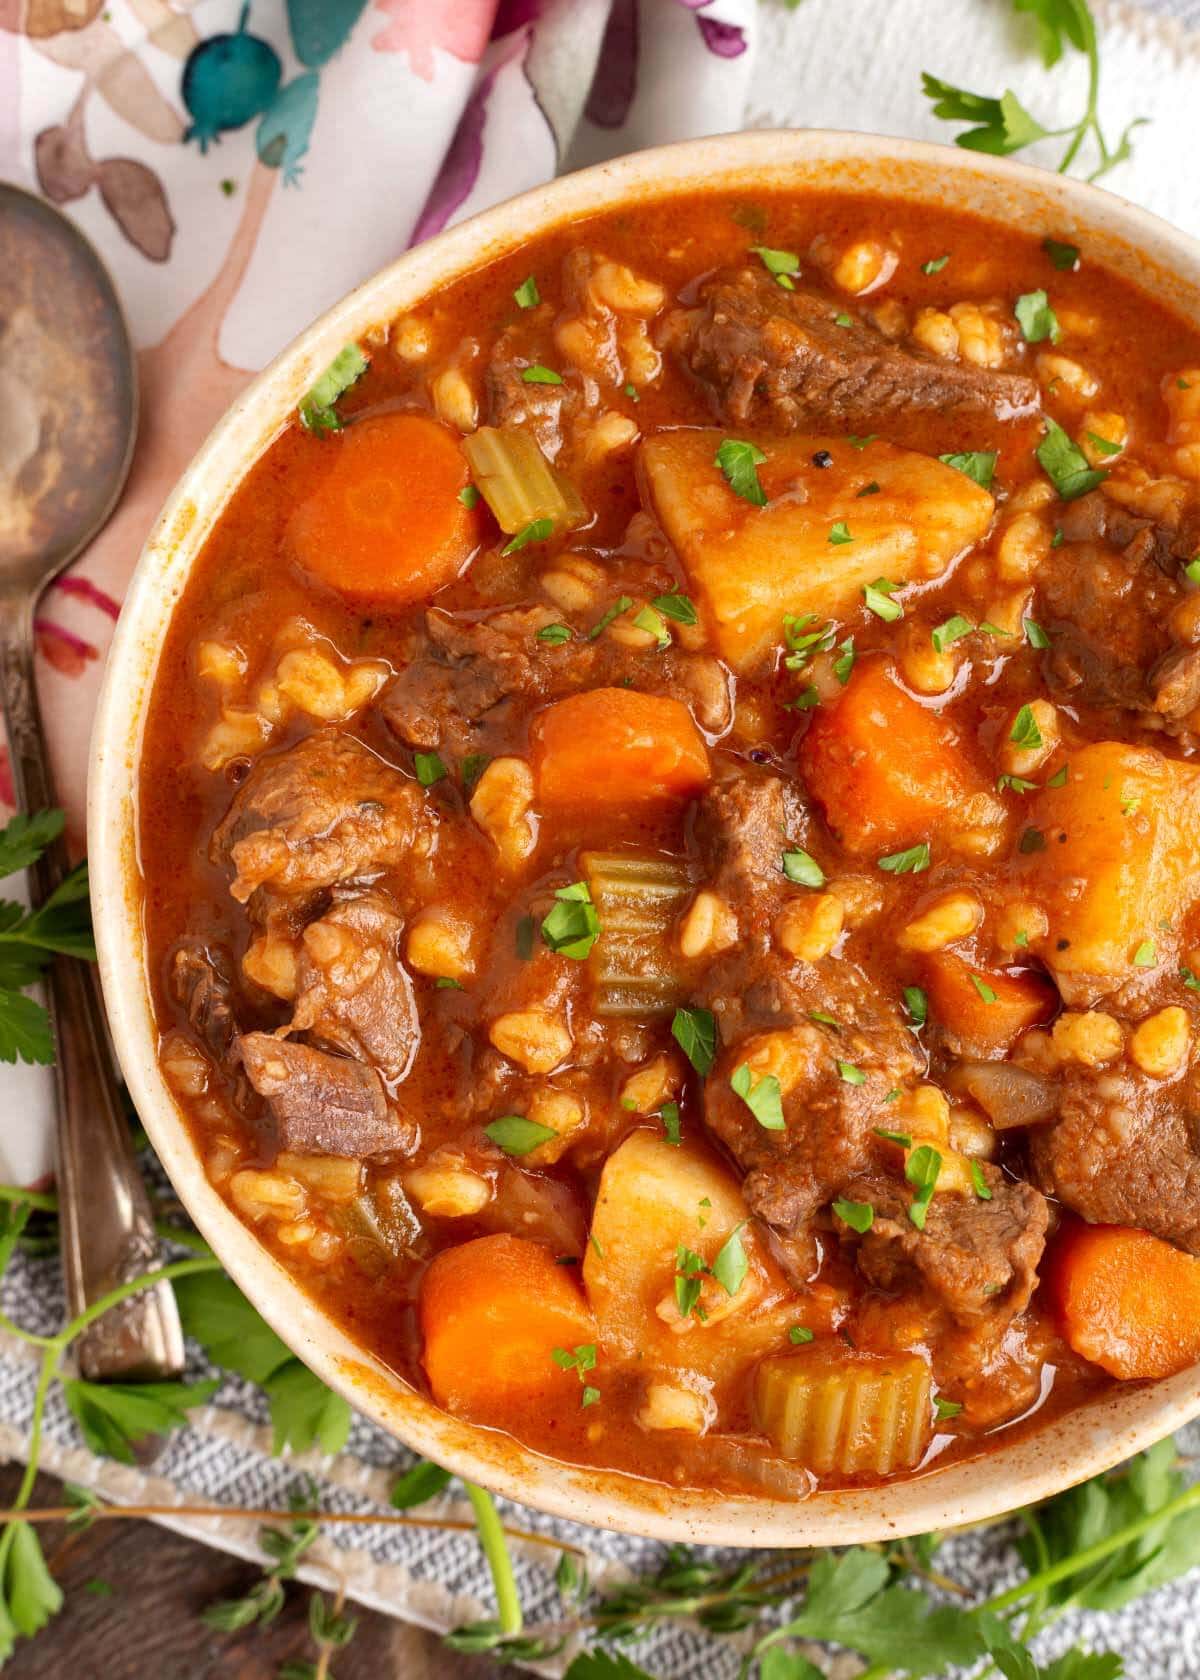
(642, 825)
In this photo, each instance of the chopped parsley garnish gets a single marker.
(849, 1074)
(982, 1188)
(910, 862)
(632, 392)
(902, 1138)
(981, 986)
(783, 265)
(803, 868)
(1035, 635)
(620, 605)
(1192, 570)
(1018, 784)
(1059, 778)
(1189, 979)
(861, 442)
(527, 294)
(805, 700)
(840, 533)
(652, 622)
(1037, 320)
(953, 630)
(740, 463)
(524, 938)
(799, 1335)
(802, 641)
(572, 926)
(978, 464)
(921, 1170)
(844, 664)
(935, 265)
(1063, 256)
(1145, 955)
(730, 1266)
(555, 634)
(843, 320)
(317, 413)
(536, 531)
(987, 628)
(860, 1216)
(539, 375)
(1056, 541)
(1025, 731)
(1065, 464)
(1105, 445)
(679, 607)
(871, 489)
(762, 1096)
(917, 1005)
(581, 1360)
(690, 1268)
(669, 1115)
(429, 768)
(878, 597)
(1032, 840)
(946, 1409)
(695, 1032)
(516, 1135)
(473, 767)
(469, 496)
(823, 1019)
(446, 983)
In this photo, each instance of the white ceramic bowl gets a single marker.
(1089, 1440)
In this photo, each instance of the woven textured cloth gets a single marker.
(453, 105)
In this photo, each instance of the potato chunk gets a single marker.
(1111, 856)
(751, 565)
(654, 1199)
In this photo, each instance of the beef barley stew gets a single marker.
(668, 818)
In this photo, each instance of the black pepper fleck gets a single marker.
(758, 755)
(1062, 945)
(822, 458)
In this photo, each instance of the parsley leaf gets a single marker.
(620, 605)
(29, 1594)
(978, 464)
(1036, 318)
(783, 265)
(1065, 464)
(317, 413)
(799, 1335)
(536, 531)
(24, 1028)
(762, 1096)
(1025, 731)
(982, 1187)
(803, 868)
(114, 1417)
(849, 1074)
(860, 1216)
(840, 533)
(651, 620)
(469, 496)
(429, 768)
(917, 1004)
(695, 1032)
(935, 265)
(1145, 955)
(679, 607)
(731, 1265)
(527, 294)
(740, 463)
(572, 926)
(516, 1135)
(952, 630)
(554, 634)
(1035, 635)
(910, 862)
(669, 1115)
(922, 1170)
(1061, 255)
(23, 839)
(878, 597)
(539, 375)
(986, 992)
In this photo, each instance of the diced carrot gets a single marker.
(984, 1010)
(492, 1312)
(1127, 1301)
(385, 520)
(615, 747)
(886, 771)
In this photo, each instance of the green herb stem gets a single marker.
(42, 1201)
(495, 1551)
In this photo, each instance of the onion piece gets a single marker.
(1008, 1095)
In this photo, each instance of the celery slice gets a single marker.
(845, 1413)
(518, 483)
(635, 964)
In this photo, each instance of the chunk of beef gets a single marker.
(1168, 542)
(322, 1104)
(324, 811)
(471, 666)
(353, 992)
(976, 1258)
(201, 980)
(1125, 1150)
(779, 358)
(764, 1001)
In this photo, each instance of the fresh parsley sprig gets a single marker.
(31, 939)
(1002, 125)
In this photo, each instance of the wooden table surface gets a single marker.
(148, 1627)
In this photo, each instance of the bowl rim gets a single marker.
(1029, 1467)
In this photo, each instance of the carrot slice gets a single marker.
(492, 1312)
(985, 1009)
(615, 747)
(386, 520)
(1127, 1301)
(887, 771)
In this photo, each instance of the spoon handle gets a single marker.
(106, 1225)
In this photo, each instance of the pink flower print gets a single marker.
(416, 27)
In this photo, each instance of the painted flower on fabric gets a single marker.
(416, 27)
(726, 40)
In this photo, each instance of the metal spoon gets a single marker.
(68, 417)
